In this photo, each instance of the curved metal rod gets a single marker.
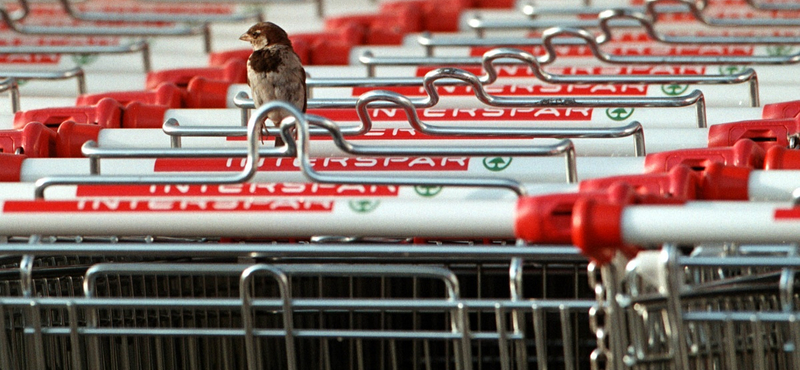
(694, 98)
(534, 11)
(157, 17)
(132, 47)
(76, 73)
(302, 148)
(554, 36)
(173, 128)
(647, 21)
(248, 320)
(764, 5)
(249, 170)
(632, 129)
(480, 26)
(429, 80)
(105, 31)
(10, 85)
(696, 8)
(489, 58)
(746, 76)
(551, 33)
(23, 11)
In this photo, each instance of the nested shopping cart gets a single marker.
(166, 304)
(715, 306)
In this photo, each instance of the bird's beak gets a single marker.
(246, 37)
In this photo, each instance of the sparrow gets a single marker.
(274, 71)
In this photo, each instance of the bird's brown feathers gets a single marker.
(274, 70)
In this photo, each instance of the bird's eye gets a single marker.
(256, 33)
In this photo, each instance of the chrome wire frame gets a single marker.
(74, 303)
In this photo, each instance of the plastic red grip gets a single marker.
(233, 71)
(10, 167)
(166, 94)
(140, 115)
(789, 109)
(546, 219)
(205, 93)
(722, 182)
(596, 228)
(72, 136)
(745, 153)
(764, 133)
(780, 158)
(107, 113)
(219, 58)
(680, 183)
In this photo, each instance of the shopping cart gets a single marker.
(352, 305)
(703, 307)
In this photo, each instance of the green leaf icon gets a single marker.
(428, 190)
(779, 50)
(619, 114)
(496, 164)
(674, 89)
(84, 59)
(729, 70)
(363, 205)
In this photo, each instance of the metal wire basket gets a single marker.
(353, 306)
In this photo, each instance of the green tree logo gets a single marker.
(496, 164)
(674, 89)
(84, 59)
(730, 69)
(779, 50)
(428, 190)
(363, 205)
(619, 114)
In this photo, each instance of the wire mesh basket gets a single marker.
(445, 305)
(707, 307)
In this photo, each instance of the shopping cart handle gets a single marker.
(744, 153)
(765, 133)
(548, 219)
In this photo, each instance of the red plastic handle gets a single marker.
(233, 71)
(107, 113)
(765, 133)
(745, 153)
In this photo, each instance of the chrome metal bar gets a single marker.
(132, 47)
(696, 8)
(695, 98)
(76, 73)
(541, 253)
(633, 129)
(10, 85)
(159, 17)
(565, 147)
(173, 31)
